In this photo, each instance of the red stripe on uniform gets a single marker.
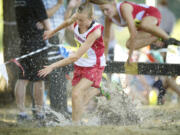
(96, 27)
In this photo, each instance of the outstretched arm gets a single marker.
(68, 22)
(127, 15)
(52, 11)
(107, 30)
(72, 4)
(46, 24)
(74, 57)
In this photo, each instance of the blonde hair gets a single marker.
(100, 2)
(86, 7)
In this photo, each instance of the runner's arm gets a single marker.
(127, 15)
(107, 30)
(65, 24)
(72, 4)
(74, 57)
(81, 51)
(54, 9)
(46, 24)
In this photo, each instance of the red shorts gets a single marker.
(93, 74)
(152, 11)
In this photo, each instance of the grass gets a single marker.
(161, 120)
(102, 130)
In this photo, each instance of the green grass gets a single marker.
(92, 130)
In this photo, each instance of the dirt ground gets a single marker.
(104, 130)
(163, 120)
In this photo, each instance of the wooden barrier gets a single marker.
(140, 68)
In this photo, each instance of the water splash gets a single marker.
(119, 110)
(54, 118)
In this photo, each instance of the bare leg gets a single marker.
(90, 93)
(20, 91)
(148, 24)
(142, 39)
(38, 88)
(78, 93)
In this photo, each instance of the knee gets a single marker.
(39, 85)
(128, 44)
(39, 82)
(22, 82)
(75, 94)
(143, 26)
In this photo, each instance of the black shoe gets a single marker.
(23, 117)
(171, 41)
(160, 101)
(158, 84)
(162, 91)
(161, 95)
(39, 116)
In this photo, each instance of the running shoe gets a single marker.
(23, 117)
(162, 91)
(171, 41)
(39, 116)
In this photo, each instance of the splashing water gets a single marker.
(120, 109)
(55, 118)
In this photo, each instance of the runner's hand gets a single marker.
(47, 34)
(128, 61)
(45, 71)
(39, 25)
